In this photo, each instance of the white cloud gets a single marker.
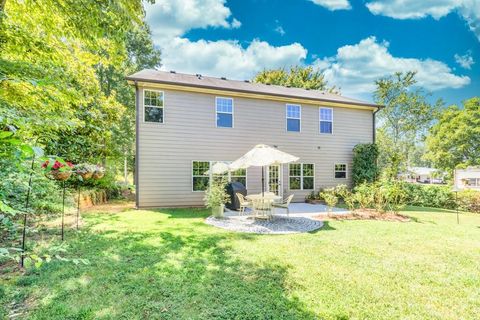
(279, 29)
(416, 9)
(170, 18)
(228, 58)
(333, 5)
(466, 61)
(355, 68)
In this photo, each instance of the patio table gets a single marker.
(258, 201)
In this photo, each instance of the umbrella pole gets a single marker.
(263, 180)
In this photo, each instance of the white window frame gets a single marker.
(192, 176)
(287, 117)
(210, 175)
(232, 113)
(301, 176)
(320, 120)
(335, 170)
(163, 107)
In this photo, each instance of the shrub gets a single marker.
(364, 195)
(330, 198)
(469, 200)
(364, 166)
(216, 194)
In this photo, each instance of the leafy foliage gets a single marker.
(215, 196)
(455, 139)
(330, 198)
(364, 167)
(403, 122)
(297, 76)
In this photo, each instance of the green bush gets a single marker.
(364, 166)
(330, 198)
(469, 200)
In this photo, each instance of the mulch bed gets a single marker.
(366, 214)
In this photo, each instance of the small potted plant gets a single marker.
(85, 170)
(216, 197)
(98, 172)
(58, 169)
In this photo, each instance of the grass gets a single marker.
(167, 264)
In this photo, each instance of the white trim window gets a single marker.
(200, 177)
(340, 171)
(239, 175)
(224, 112)
(301, 176)
(153, 106)
(293, 117)
(326, 120)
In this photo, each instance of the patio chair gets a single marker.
(244, 203)
(284, 204)
(262, 208)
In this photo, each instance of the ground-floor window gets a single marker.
(301, 176)
(340, 171)
(202, 176)
(200, 180)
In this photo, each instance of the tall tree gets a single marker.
(297, 76)
(404, 121)
(62, 69)
(454, 141)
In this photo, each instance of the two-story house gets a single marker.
(185, 123)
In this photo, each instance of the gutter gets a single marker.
(137, 139)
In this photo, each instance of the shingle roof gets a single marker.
(200, 81)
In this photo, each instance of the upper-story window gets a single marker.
(224, 111)
(294, 116)
(326, 120)
(153, 106)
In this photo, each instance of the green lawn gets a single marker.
(167, 264)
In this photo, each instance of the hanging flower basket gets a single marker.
(60, 175)
(60, 170)
(99, 172)
(85, 170)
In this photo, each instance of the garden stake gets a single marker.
(63, 208)
(456, 206)
(78, 204)
(24, 232)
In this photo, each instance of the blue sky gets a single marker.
(353, 42)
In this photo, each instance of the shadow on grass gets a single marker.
(161, 274)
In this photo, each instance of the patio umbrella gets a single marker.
(218, 168)
(260, 156)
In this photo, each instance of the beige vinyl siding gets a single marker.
(189, 133)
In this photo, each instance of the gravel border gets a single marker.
(278, 225)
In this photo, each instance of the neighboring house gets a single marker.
(468, 178)
(423, 175)
(185, 123)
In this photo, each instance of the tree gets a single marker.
(62, 69)
(403, 122)
(455, 139)
(298, 77)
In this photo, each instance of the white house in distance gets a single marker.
(468, 178)
(423, 175)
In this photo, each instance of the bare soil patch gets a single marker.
(366, 214)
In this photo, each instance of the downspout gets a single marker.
(137, 132)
